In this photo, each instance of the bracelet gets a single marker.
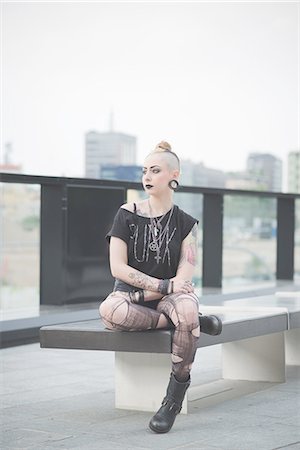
(132, 297)
(137, 297)
(163, 286)
(141, 297)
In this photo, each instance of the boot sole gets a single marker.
(158, 431)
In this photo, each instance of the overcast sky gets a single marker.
(217, 80)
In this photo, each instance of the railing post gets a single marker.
(212, 240)
(285, 238)
(52, 245)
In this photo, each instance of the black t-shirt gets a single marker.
(135, 230)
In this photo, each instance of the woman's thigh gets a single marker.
(117, 312)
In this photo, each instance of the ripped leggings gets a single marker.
(181, 310)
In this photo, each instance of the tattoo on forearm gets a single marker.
(143, 281)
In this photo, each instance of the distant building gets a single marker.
(265, 170)
(294, 172)
(11, 168)
(117, 172)
(108, 148)
(196, 174)
(205, 176)
(240, 180)
(7, 166)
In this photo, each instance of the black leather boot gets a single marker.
(163, 420)
(210, 325)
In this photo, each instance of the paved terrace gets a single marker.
(64, 399)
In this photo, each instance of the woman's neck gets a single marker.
(159, 206)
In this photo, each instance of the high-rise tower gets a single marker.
(266, 170)
(108, 148)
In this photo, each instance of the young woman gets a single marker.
(153, 248)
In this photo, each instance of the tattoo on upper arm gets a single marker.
(141, 213)
(189, 252)
(195, 231)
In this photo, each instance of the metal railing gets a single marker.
(71, 206)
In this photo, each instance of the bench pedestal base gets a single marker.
(141, 379)
(292, 347)
(256, 359)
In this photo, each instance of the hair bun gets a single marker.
(165, 149)
(163, 145)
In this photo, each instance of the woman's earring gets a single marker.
(173, 184)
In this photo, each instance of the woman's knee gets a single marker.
(187, 303)
(182, 309)
(104, 307)
(113, 309)
(187, 308)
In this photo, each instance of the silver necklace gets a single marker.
(155, 227)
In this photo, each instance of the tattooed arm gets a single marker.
(188, 256)
(120, 269)
(148, 296)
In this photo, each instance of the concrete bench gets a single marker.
(253, 348)
(288, 301)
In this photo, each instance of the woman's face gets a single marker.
(157, 174)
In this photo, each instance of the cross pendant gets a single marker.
(157, 257)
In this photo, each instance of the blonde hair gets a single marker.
(165, 148)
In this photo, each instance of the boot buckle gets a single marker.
(174, 407)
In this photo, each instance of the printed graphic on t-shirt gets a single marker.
(148, 241)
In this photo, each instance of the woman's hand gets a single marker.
(184, 286)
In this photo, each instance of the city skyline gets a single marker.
(8, 161)
(218, 81)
